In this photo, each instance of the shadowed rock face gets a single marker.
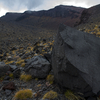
(38, 67)
(76, 60)
(91, 14)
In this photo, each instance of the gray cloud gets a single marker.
(17, 5)
(89, 3)
(20, 4)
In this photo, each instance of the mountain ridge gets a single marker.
(60, 11)
(44, 23)
(21, 27)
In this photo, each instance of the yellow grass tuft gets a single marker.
(50, 78)
(39, 85)
(19, 62)
(71, 96)
(50, 95)
(98, 33)
(25, 78)
(23, 94)
(23, 65)
(11, 75)
(8, 62)
(36, 79)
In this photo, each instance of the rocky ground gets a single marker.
(92, 28)
(14, 63)
(32, 59)
(39, 88)
(25, 61)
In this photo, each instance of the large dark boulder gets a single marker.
(76, 60)
(38, 67)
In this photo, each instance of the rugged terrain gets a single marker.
(22, 28)
(90, 20)
(28, 37)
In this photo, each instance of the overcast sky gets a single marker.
(22, 5)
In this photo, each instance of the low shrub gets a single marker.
(50, 95)
(50, 78)
(23, 65)
(19, 62)
(23, 94)
(25, 78)
(11, 75)
(72, 96)
(8, 62)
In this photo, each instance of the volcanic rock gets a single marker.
(38, 67)
(76, 60)
(9, 86)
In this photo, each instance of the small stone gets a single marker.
(37, 94)
(1, 56)
(1, 51)
(0, 96)
(4, 54)
(8, 92)
(23, 85)
(2, 63)
(44, 89)
(44, 40)
(13, 48)
(13, 67)
(0, 85)
(3, 69)
(37, 51)
(48, 84)
(5, 81)
(99, 26)
(48, 56)
(16, 73)
(9, 58)
(21, 54)
(25, 55)
(38, 67)
(6, 78)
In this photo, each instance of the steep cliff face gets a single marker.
(85, 16)
(90, 15)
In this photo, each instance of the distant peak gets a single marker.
(28, 12)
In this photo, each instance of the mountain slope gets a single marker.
(23, 28)
(90, 20)
(68, 15)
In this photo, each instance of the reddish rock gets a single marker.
(9, 86)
